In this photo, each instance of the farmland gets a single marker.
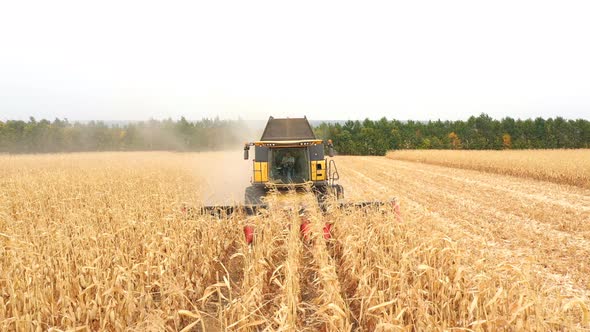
(103, 241)
(559, 166)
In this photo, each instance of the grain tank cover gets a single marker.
(290, 129)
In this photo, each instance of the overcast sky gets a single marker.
(135, 60)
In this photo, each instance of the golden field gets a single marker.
(560, 166)
(100, 241)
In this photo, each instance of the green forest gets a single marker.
(477, 133)
(366, 137)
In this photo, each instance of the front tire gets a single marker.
(324, 192)
(338, 191)
(253, 195)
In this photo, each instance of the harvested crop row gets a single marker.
(437, 207)
(537, 229)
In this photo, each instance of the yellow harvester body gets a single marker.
(288, 155)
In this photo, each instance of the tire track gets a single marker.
(470, 211)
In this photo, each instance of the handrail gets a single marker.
(333, 172)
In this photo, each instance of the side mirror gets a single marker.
(330, 148)
(246, 152)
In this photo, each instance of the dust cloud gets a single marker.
(224, 176)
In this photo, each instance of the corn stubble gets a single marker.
(100, 241)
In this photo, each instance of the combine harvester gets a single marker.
(289, 158)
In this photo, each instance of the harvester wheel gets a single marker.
(338, 191)
(323, 193)
(253, 195)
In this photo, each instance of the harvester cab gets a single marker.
(288, 156)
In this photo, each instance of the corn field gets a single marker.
(563, 166)
(104, 241)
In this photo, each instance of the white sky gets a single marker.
(133, 60)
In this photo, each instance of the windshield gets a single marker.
(289, 165)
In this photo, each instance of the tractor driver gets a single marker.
(288, 166)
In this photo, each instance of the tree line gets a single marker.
(63, 136)
(477, 133)
(366, 137)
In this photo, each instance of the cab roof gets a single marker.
(288, 129)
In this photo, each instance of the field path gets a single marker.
(498, 217)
